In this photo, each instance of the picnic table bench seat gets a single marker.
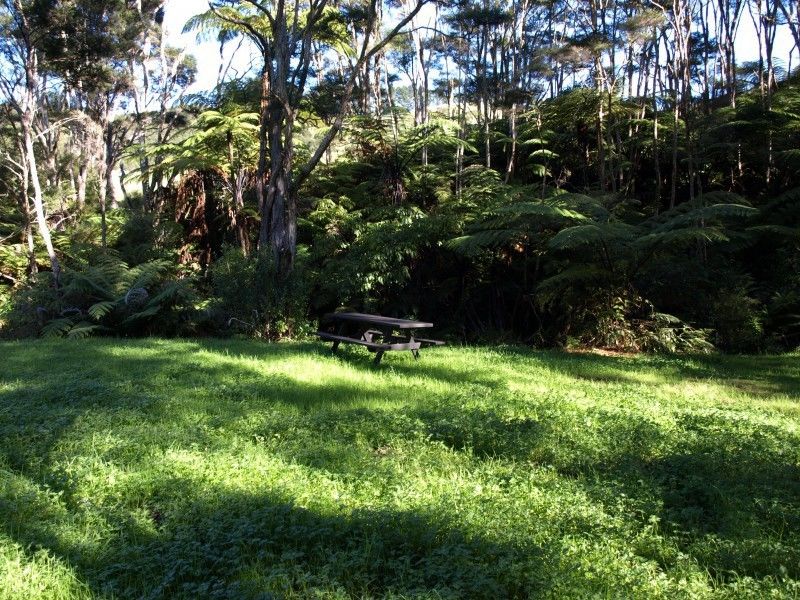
(426, 342)
(349, 340)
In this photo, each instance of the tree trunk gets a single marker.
(26, 120)
(83, 176)
(25, 209)
(512, 124)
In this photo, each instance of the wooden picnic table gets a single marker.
(377, 333)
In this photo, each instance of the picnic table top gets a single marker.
(378, 320)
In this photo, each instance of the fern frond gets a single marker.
(146, 274)
(173, 292)
(682, 237)
(83, 330)
(551, 288)
(789, 200)
(88, 284)
(693, 215)
(57, 328)
(538, 170)
(143, 314)
(539, 209)
(481, 240)
(100, 309)
(777, 230)
(582, 235)
(587, 205)
(543, 152)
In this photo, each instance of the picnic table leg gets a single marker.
(339, 331)
(386, 334)
(415, 352)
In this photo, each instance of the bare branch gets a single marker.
(367, 52)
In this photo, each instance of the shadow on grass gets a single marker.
(737, 513)
(240, 545)
(186, 541)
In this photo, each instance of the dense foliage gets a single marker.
(535, 180)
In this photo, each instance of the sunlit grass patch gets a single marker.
(25, 574)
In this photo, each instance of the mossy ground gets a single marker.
(164, 469)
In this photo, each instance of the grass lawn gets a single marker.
(236, 469)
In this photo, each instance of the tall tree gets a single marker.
(21, 44)
(284, 34)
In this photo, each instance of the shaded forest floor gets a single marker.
(164, 469)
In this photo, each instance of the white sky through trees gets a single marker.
(208, 58)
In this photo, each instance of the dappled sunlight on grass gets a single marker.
(221, 467)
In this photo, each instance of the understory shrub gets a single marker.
(106, 295)
(625, 321)
(6, 306)
(783, 319)
(249, 297)
(738, 321)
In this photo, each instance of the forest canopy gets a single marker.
(591, 173)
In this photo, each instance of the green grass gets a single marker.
(164, 469)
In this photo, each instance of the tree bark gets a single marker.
(26, 121)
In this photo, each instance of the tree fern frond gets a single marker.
(582, 235)
(100, 309)
(533, 142)
(788, 158)
(682, 237)
(695, 214)
(89, 285)
(788, 200)
(722, 197)
(540, 210)
(174, 291)
(472, 244)
(141, 315)
(146, 274)
(543, 152)
(586, 205)
(552, 287)
(83, 330)
(777, 230)
(537, 169)
(57, 328)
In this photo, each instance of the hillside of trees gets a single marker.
(550, 172)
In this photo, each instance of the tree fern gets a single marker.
(117, 298)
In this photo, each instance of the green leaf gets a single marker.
(101, 309)
(57, 328)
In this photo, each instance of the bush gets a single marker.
(143, 237)
(783, 319)
(628, 322)
(249, 297)
(105, 295)
(738, 320)
(25, 308)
